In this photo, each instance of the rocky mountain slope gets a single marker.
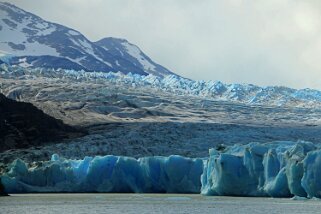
(23, 125)
(29, 41)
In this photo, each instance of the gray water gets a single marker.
(151, 203)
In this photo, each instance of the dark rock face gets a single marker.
(23, 125)
(2, 190)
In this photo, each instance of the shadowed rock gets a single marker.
(2, 191)
(23, 125)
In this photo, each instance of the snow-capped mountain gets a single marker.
(122, 48)
(31, 41)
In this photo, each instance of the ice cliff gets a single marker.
(277, 169)
(174, 174)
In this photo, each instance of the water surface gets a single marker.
(151, 203)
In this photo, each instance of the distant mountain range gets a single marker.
(29, 41)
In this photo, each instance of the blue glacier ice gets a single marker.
(215, 90)
(173, 174)
(276, 169)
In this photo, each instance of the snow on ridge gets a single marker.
(73, 33)
(23, 33)
(135, 52)
(90, 50)
(23, 63)
(12, 7)
(46, 31)
(18, 37)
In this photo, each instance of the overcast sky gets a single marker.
(264, 42)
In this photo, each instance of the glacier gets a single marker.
(174, 174)
(236, 93)
(276, 169)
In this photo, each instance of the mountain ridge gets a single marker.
(35, 42)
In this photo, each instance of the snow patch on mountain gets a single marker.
(124, 49)
(23, 63)
(26, 35)
(136, 53)
(73, 33)
(15, 30)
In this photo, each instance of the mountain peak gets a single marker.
(34, 42)
(122, 48)
(112, 39)
(14, 11)
(11, 6)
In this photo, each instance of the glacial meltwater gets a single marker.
(153, 203)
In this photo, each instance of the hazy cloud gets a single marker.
(275, 42)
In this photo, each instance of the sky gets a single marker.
(274, 42)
